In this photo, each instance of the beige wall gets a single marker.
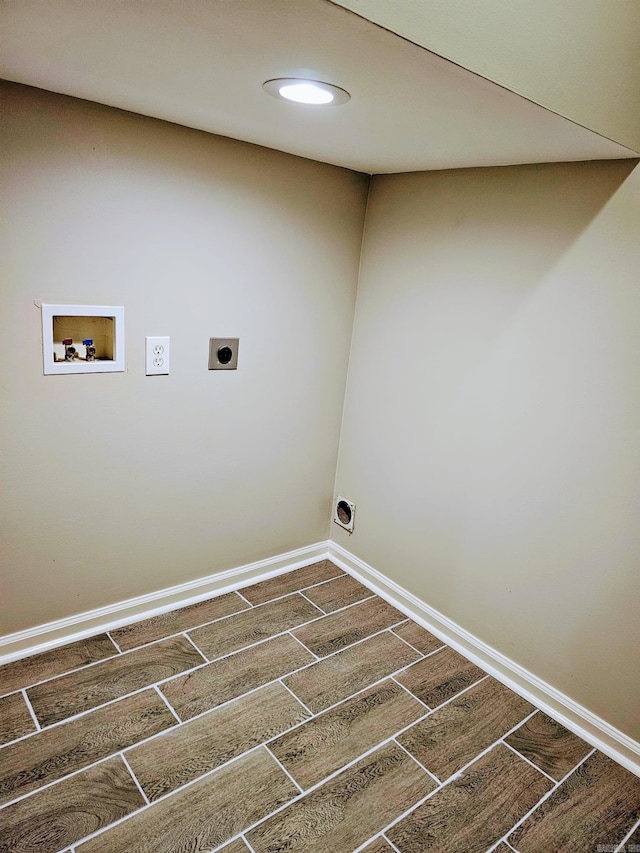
(491, 438)
(579, 58)
(492, 421)
(114, 485)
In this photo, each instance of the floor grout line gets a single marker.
(183, 631)
(116, 656)
(134, 777)
(237, 592)
(306, 648)
(546, 796)
(200, 652)
(413, 695)
(378, 745)
(337, 705)
(86, 713)
(297, 698)
(411, 646)
(119, 651)
(344, 649)
(362, 847)
(71, 848)
(411, 809)
(446, 701)
(169, 706)
(390, 843)
(351, 695)
(352, 604)
(31, 711)
(108, 633)
(623, 844)
(293, 591)
(84, 666)
(120, 698)
(246, 841)
(438, 782)
(312, 788)
(220, 619)
(281, 634)
(56, 782)
(189, 671)
(169, 794)
(481, 754)
(180, 631)
(321, 609)
(282, 767)
(524, 758)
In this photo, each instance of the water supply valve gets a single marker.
(69, 350)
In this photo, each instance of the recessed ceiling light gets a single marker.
(306, 91)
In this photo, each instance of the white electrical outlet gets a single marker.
(156, 356)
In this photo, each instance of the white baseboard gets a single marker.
(63, 631)
(575, 717)
(565, 710)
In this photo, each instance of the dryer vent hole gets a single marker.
(344, 513)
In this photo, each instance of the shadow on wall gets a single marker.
(506, 426)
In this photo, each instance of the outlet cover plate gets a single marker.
(157, 353)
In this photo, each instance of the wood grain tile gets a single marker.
(177, 621)
(232, 676)
(342, 629)
(56, 752)
(333, 679)
(632, 844)
(634, 839)
(205, 814)
(15, 718)
(237, 846)
(453, 735)
(291, 582)
(190, 751)
(51, 819)
(343, 813)
(418, 637)
(549, 745)
(440, 676)
(324, 744)
(378, 846)
(79, 691)
(338, 593)
(252, 626)
(28, 671)
(475, 810)
(597, 804)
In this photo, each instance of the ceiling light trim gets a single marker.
(338, 95)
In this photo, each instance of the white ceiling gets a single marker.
(201, 63)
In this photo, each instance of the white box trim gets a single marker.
(116, 365)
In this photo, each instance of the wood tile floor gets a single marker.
(299, 714)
